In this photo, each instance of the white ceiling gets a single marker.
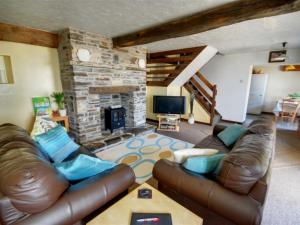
(117, 17)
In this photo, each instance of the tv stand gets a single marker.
(168, 122)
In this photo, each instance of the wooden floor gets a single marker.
(189, 133)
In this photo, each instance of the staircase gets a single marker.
(205, 95)
(164, 67)
(169, 71)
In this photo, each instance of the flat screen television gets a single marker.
(169, 104)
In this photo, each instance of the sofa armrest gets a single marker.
(218, 128)
(82, 199)
(240, 209)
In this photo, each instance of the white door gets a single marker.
(257, 93)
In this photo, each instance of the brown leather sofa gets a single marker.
(32, 192)
(236, 194)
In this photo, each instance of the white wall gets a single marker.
(279, 85)
(35, 72)
(232, 74)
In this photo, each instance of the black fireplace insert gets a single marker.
(114, 118)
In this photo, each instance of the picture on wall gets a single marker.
(277, 56)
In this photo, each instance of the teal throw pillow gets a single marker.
(57, 144)
(83, 166)
(203, 164)
(231, 134)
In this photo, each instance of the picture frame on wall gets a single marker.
(277, 56)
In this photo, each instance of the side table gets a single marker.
(63, 120)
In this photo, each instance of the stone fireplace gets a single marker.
(105, 77)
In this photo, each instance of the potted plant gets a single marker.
(60, 101)
(191, 119)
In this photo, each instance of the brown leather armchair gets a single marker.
(33, 192)
(237, 193)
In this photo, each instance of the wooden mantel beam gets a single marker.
(223, 15)
(27, 35)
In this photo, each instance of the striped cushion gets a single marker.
(57, 143)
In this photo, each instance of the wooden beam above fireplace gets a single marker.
(113, 89)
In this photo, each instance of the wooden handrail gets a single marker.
(204, 80)
(201, 89)
(207, 100)
(205, 105)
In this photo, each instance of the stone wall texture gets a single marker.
(107, 67)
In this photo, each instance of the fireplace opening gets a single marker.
(114, 118)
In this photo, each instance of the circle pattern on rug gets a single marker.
(149, 149)
(163, 141)
(177, 145)
(135, 143)
(152, 136)
(143, 168)
(129, 158)
(165, 154)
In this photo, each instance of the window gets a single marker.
(6, 76)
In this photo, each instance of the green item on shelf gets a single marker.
(294, 95)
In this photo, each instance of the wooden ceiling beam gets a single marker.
(27, 35)
(224, 15)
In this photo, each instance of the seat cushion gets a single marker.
(57, 143)
(83, 167)
(246, 163)
(81, 150)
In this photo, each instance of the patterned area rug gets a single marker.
(142, 152)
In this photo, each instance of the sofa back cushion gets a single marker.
(246, 163)
(262, 126)
(10, 132)
(26, 178)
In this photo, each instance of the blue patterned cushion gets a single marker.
(203, 164)
(83, 166)
(57, 144)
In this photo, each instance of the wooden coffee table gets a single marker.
(120, 212)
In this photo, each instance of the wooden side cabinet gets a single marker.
(63, 120)
(168, 122)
